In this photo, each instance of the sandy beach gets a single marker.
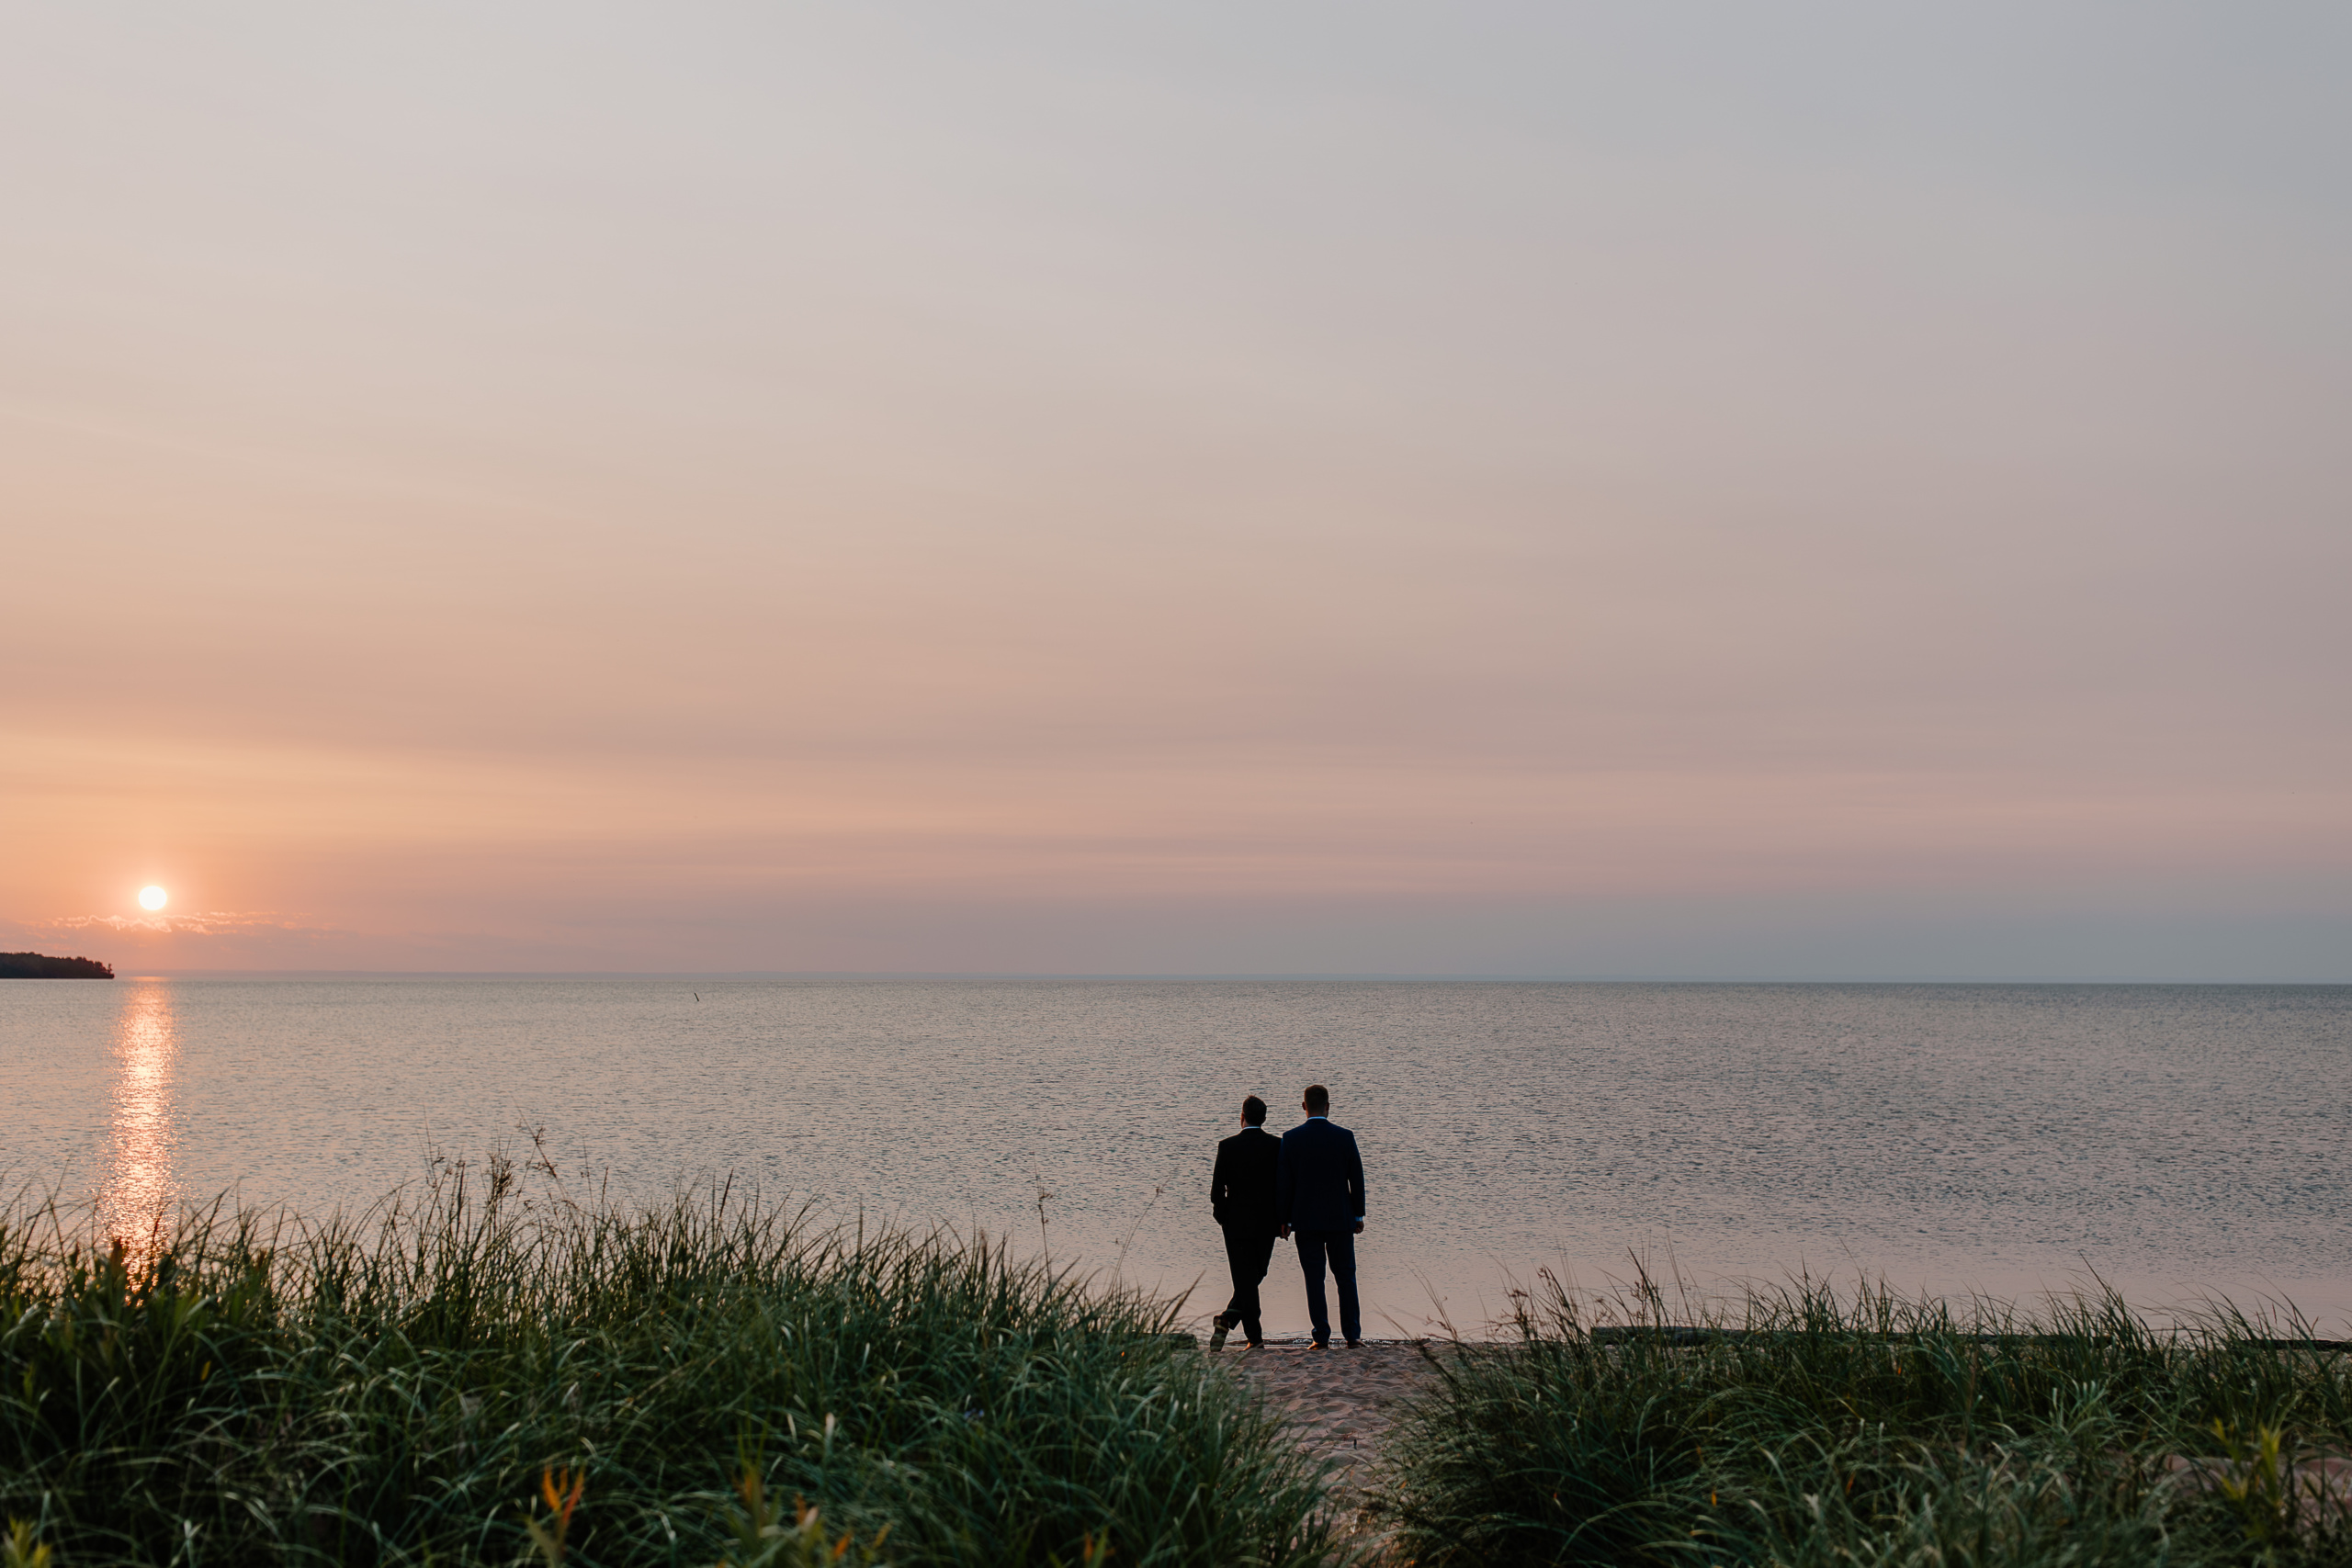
(1341, 1405)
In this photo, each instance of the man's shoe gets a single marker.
(1355, 1344)
(1217, 1339)
(1319, 1343)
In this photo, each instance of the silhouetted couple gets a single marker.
(1308, 1184)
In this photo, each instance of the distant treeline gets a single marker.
(36, 967)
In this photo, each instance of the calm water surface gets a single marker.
(2179, 1140)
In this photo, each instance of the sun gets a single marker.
(153, 897)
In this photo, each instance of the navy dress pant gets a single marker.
(1247, 1253)
(1338, 1248)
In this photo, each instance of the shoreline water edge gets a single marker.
(2180, 1143)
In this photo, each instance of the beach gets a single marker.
(1339, 1406)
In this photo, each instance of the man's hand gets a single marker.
(1359, 1227)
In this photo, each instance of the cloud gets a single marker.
(216, 922)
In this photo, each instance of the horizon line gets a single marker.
(1230, 976)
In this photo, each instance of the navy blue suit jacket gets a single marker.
(1318, 1183)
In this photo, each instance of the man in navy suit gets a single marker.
(1318, 1194)
(1241, 1190)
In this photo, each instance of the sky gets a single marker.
(1818, 491)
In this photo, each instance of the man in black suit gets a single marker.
(1241, 1190)
(1318, 1194)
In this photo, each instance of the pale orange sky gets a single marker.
(1329, 488)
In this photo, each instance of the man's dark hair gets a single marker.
(1253, 1110)
(1318, 1099)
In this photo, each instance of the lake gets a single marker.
(2182, 1141)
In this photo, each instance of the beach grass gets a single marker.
(1806, 1427)
(485, 1372)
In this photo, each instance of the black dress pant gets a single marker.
(1338, 1248)
(1247, 1252)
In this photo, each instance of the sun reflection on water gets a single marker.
(140, 1192)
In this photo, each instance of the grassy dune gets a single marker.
(1870, 1430)
(489, 1373)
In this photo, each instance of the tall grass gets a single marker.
(489, 1373)
(1815, 1429)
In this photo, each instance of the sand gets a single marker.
(1339, 1404)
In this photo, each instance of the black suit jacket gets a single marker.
(1318, 1185)
(1241, 1189)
